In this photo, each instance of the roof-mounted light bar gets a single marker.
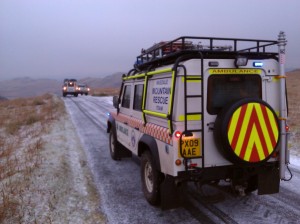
(258, 64)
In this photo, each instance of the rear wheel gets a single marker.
(150, 179)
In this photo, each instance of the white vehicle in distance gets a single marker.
(83, 89)
(70, 87)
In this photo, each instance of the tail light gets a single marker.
(287, 128)
(177, 134)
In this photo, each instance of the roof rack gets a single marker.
(166, 52)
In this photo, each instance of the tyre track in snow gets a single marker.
(84, 107)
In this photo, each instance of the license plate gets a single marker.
(190, 148)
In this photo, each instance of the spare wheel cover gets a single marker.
(247, 131)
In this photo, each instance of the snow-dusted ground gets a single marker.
(119, 187)
(64, 190)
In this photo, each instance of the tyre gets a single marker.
(114, 146)
(86, 94)
(76, 94)
(247, 131)
(151, 179)
(64, 95)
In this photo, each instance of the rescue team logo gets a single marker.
(253, 132)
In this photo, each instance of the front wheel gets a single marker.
(150, 179)
(114, 146)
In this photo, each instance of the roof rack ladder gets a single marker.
(188, 114)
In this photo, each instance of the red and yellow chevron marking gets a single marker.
(253, 132)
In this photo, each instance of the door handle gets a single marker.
(211, 126)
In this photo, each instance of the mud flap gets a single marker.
(123, 152)
(171, 195)
(268, 181)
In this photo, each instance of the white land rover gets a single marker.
(70, 87)
(204, 109)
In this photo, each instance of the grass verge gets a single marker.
(23, 123)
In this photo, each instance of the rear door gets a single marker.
(71, 86)
(223, 87)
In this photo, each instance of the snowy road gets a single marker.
(119, 185)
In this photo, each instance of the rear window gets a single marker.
(223, 89)
(138, 97)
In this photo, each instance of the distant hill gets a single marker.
(3, 98)
(28, 87)
(110, 81)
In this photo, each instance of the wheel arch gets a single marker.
(111, 123)
(148, 142)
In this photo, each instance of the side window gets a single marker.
(126, 97)
(138, 97)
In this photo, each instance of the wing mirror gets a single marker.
(116, 101)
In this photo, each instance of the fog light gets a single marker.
(193, 165)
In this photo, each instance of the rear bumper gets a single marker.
(267, 175)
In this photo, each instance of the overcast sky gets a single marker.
(80, 38)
